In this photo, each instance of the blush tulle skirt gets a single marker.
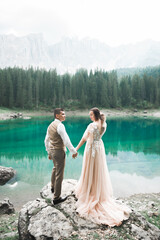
(94, 190)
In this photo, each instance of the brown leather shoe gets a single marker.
(59, 200)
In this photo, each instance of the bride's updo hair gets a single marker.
(103, 117)
(98, 115)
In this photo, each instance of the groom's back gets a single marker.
(55, 139)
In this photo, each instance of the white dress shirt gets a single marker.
(62, 132)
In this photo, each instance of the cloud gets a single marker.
(24, 17)
(111, 21)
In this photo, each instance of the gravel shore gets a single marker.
(6, 114)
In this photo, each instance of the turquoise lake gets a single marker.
(132, 148)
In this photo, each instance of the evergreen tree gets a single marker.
(35, 88)
(136, 88)
(19, 96)
(113, 89)
(10, 93)
(125, 93)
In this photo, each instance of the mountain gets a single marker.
(30, 50)
(72, 54)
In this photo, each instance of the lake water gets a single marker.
(132, 148)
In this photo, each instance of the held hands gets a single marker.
(74, 155)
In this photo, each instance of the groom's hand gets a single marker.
(75, 155)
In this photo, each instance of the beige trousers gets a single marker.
(58, 156)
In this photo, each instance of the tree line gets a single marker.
(39, 88)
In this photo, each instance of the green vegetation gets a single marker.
(149, 71)
(8, 225)
(123, 233)
(96, 236)
(73, 237)
(154, 219)
(48, 200)
(38, 89)
(12, 238)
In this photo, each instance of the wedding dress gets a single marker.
(94, 189)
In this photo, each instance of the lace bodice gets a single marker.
(93, 137)
(96, 134)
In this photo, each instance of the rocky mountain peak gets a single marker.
(72, 54)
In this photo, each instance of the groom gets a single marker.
(56, 141)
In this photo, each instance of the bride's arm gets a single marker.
(80, 143)
(85, 137)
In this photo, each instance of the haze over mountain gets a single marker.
(72, 54)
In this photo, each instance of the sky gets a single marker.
(114, 22)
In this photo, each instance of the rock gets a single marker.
(69, 208)
(68, 186)
(6, 173)
(6, 207)
(155, 214)
(137, 231)
(13, 115)
(10, 235)
(26, 212)
(152, 204)
(40, 220)
(19, 114)
(44, 221)
(50, 222)
(16, 115)
(141, 228)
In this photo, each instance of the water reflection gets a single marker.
(132, 153)
(25, 138)
(147, 165)
(124, 184)
(34, 170)
(132, 146)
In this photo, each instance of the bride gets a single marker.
(94, 189)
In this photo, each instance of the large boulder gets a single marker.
(41, 220)
(68, 186)
(6, 207)
(6, 173)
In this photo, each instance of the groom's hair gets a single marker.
(57, 111)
